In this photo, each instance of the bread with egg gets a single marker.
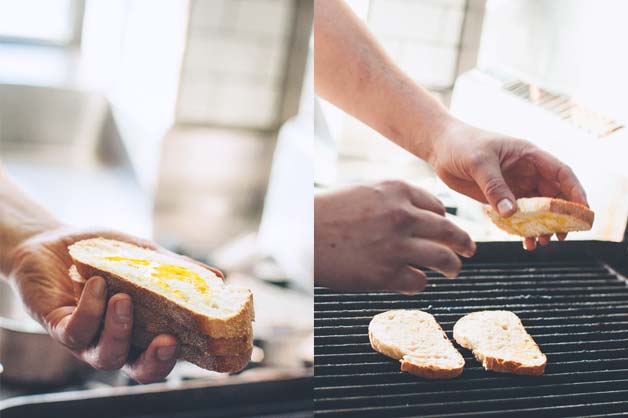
(538, 216)
(173, 295)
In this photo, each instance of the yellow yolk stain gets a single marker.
(165, 274)
(171, 272)
(129, 260)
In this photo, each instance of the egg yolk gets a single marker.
(165, 273)
(129, 260)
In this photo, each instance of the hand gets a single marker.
(498, 169)
(40, 272)
(372, 237)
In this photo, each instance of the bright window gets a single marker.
(55, 22)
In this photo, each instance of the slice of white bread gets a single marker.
(417, 340)
(175, 296)
(537, 216)
(499, 340)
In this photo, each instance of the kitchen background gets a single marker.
(544, 70)
(166, 119)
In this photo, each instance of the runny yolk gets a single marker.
(165, 273)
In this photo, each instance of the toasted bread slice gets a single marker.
(183, 291)
(537, 216)
(145, 321)
(499, 340)
(197, 355)
(174, 296)
(415, 338)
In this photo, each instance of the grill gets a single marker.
(571, 297)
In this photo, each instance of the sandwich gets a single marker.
(173, 295)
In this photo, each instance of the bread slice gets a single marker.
(196, 355)
(417, 340)
(499, 340)
(174, 296)
(544, 216)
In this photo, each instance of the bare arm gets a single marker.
(20, 218)
(353, 72)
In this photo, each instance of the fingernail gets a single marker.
(123, 310)
(98, 289)
(472, 250)
(166, 353)
(504, 207)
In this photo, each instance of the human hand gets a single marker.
(497, 169)
(372, 237)
(96, 330)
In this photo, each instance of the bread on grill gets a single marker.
(499, 340)
(417, 340)
(537, 216)
(171, 295)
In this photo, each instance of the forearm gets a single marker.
(354, 73)
(20, 219)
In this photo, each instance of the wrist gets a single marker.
(12, 237)
(443, 131)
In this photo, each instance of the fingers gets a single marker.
(156, 362)
(77, 329)
(442, 230)
(115, 340)
(544, 239)
(491, 181)
(425, 253)
(409, 280)
(424, 200)
(556, 171)
(529, 243)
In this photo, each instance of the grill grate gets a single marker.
(577, 311)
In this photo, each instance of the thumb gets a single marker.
(490, 180)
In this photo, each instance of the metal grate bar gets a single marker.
(577, 313)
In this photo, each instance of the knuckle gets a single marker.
(110, 362)
(395, 185)
(493, 186)
(400, 215)
(443, 258)
(448, 229)
(477, 158)
(73, 339)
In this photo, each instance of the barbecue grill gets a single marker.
(572, 297)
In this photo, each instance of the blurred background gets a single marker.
(184, 121)
(544, 70)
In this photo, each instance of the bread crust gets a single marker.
(494, 363)
(430, 372)
(196, 355)
(237, 325)
(405, 356)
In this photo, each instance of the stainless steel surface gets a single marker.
(27, 353)
(285, 394)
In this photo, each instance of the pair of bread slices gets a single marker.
(173, 295)
(497, 339)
